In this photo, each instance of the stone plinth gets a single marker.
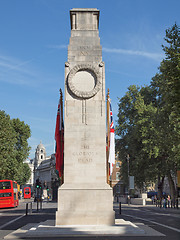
(85, 198)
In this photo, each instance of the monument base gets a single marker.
(85, 206)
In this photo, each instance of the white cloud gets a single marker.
(61, 46)
(10, 64)
(155, 56)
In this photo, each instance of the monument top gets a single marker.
(84, 18)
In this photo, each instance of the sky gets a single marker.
(34, 36)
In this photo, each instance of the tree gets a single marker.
(14, 149)
(166, 84)
(7, 142)
(148, 120)
(24, 173)
(135, 118)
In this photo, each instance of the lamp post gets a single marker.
(128, 178)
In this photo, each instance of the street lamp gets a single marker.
(128, 178)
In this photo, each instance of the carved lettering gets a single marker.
(84, 146)
(84, 47)
(84, 160)
(83, 153)
(83, 53)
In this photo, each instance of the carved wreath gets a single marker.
(84, 94)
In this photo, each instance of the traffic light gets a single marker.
(38, 183)
(47, 188)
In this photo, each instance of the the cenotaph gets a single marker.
(85, 198)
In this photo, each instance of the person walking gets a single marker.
(169, 201)
(164, 202)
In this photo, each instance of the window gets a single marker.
(14, 185)
(5, 194)
(15, 196)
(118, 176)
(41, 156)
(118, 164)
(117, 188)
(5, 185)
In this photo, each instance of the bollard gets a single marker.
(177, 203)
(37, 205)
(120, 208)
(31, 208)
(41, 203)
(26, 209)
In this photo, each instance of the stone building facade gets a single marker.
(115, 180)
(43, 167)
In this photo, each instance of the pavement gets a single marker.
(48, 229)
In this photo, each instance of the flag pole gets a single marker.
(61, 121)
(61, 103)
(108, 137)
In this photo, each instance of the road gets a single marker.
(14, 218)
(165, 221)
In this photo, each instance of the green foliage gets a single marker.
(7, 142)
(14, 149)
(148, 120)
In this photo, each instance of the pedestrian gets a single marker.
(169, 201)
(155, 200)
(129, 199)
(152, 199)
(164, 202)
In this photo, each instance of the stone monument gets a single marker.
(85, 198)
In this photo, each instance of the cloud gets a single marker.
(62, 46)
(16, 71)
(8, 64)
(22, 72)
(155, 56)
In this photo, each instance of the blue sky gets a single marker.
(34, 36)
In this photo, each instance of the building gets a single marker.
(115, 181)
(43, 168)
(30, 163)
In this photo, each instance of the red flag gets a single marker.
(59, 137)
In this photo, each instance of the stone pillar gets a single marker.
(85, 198)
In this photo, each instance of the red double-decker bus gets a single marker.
(27, 192)
(8, 194)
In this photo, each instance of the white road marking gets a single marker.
(163, 214)
(160, 224)
(6, 224)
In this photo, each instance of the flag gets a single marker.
(111, 158)
(59, 138)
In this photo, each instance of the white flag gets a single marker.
(111, 159)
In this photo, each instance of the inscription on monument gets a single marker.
(85, 155)
(84, 160)
(83, 53)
